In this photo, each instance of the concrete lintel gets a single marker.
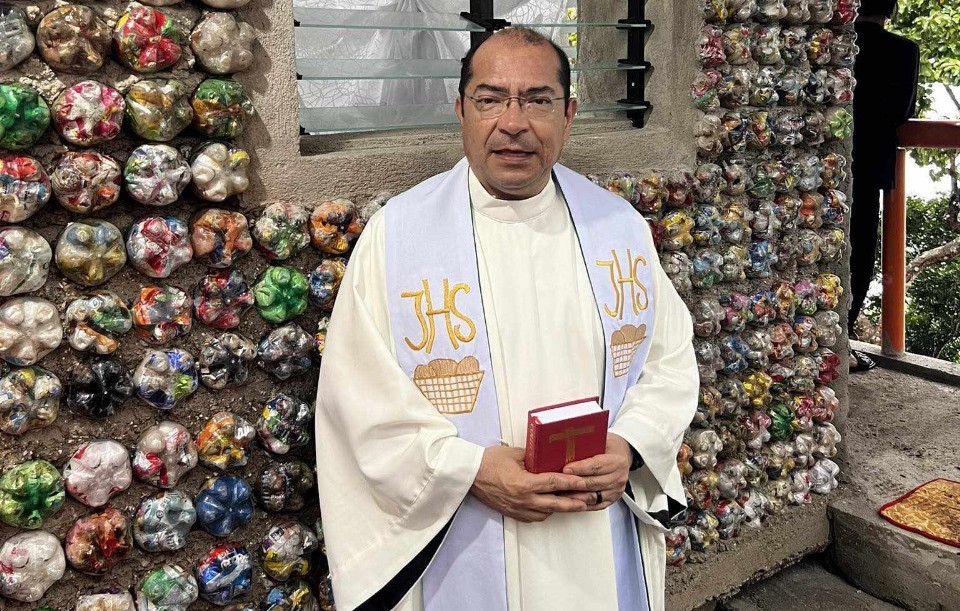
(918, 365)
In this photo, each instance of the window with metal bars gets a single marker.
(374, 65)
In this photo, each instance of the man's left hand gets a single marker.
(605, 473)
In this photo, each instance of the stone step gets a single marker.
(900, 566)
(803, 587)
(901, 431)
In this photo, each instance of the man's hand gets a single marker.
(604, 473)
(503, 484)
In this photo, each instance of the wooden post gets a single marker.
(894, 263)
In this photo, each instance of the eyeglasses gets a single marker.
(491, 106)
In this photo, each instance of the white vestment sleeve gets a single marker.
(391, 470)
(658, 409)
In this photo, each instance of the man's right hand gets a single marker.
(503, 484)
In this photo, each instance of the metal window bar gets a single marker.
(481, 13)
(636, 78)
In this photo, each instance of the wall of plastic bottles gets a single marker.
(159, 341)
(753, 239)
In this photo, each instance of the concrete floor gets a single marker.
(804, 587)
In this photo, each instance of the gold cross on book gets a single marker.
(570, 436)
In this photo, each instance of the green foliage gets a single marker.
(924, 229)
(935, 26)
(933, 305)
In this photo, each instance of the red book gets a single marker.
(564, 433)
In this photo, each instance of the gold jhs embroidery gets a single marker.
(423, 306)
(622, 282)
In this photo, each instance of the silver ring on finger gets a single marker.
(599, 498)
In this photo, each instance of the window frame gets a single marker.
(481, 13)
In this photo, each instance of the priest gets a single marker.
(505, 284)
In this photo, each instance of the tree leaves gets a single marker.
(935, 26)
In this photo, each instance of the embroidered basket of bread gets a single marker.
(451, 386)
(624, 343)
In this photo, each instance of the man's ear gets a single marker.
(458, 108)
(568, 117)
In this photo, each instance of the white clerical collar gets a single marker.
(511, 210)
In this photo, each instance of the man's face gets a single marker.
(513, 154)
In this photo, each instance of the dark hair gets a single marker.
(877, 8)
(527, 37)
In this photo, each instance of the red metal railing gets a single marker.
(913, 134)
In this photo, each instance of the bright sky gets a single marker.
(918, 178)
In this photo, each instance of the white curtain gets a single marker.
(322, 43)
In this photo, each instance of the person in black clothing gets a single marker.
(887, 69)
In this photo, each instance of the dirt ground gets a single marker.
(901, 431)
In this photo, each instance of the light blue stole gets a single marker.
(440, 335)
